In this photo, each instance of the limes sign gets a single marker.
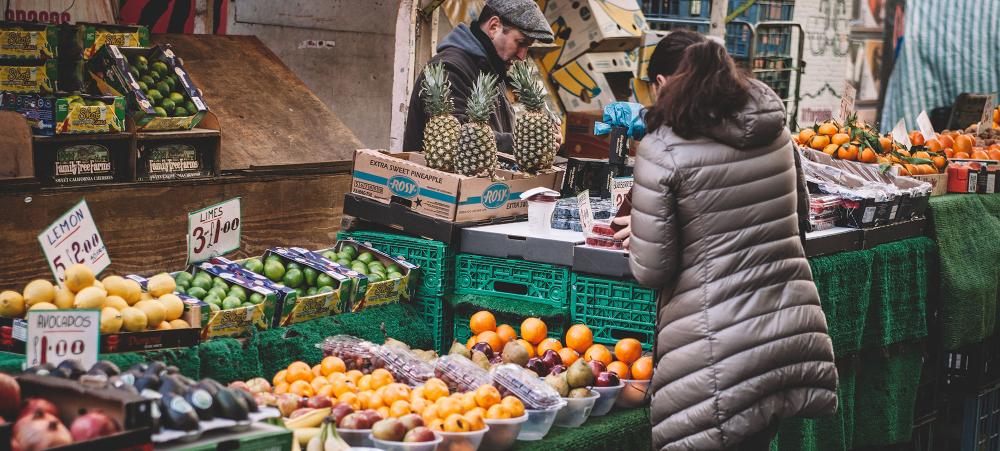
(72, 239)
(214, 231)
(57, 335)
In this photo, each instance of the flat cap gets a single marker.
(525, 15)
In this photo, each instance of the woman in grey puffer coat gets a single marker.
(741, 340)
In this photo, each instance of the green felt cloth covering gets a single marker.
(966, 228)
(844, 284)
(618, 430)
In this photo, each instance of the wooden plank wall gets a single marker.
(144, 225)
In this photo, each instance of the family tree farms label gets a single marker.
(72, 239)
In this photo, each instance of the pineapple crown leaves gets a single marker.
(529, 92)
(435, 90)
(482, 98)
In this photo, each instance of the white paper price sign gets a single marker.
(57, 335)
(73, 239)
(586, 211)
(899, 134)
(213, 231)
(986, 121)
(620, 186)
(925, 126)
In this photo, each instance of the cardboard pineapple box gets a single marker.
(591, 26)
(594, 80)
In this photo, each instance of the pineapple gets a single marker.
(477, 147)
(441, 132)
(534, 138)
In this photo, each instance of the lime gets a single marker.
(360, 268)
(238, 292)
(203, 275)
(189, 106)
(177, 97)
(293, 278)
(323, 280)
(231, 303)
(220, 282)
(376, 264)
(181, 290)
(214, 308)
(201, 283)
(366, 257)
(155, 75)
(185, 284)
(159, 67)
(350, 250)
(246, 305)
(171, 81)
(147, 80)
(330, 255)
(168, 105)
(274, 270)
(254, 265)
(197, 292)
(392, 267)
(310, 276)
(345, 255)
(394, 275)
(160, 112)
(256, 298)
(219, 292)
(344, 262)
(139, 60)
(163, 87)
(293, 265)
(143, 86)
(212, 298)
(180, 112)
(185, 276)
(311, 291)
(326, 289)
(93, 102)
(375, 277)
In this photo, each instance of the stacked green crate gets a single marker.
(614, 309)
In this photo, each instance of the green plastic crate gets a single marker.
(614, 309)
(462, 331)
(436, 259)
(437, 315)
(515, 279)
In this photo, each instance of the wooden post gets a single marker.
(403, 62)
(720, 9)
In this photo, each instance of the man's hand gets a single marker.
(626, 233)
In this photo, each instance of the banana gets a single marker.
(308, 420)
(303, 435)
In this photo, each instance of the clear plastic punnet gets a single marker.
(403, 364)
(356, 353)
(460, 373)
(514, 380)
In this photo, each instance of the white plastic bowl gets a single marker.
(539, 422)
(461, 440)
(363, 448)
(502, 433)
(607, 400)
(577, 411)
(635, 394)
(407, 446)
(356, 437)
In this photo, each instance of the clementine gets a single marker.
(946, 141)
(506, 333)
(964, 143)
(579, 337)
(598, 352)
(818, 142)
(805, 134)
(831, 150)
(482, 321)
(961, 155)
(848, 152)
(840, 138)
(980, 155)
(620, 368)
(933, 145)
(828, 128)
(548, 343)
(939, 161)
(628, 350)
(643, 368)
(533, 330)
(916, 138)
(868, 156)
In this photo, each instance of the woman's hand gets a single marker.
(625, 233)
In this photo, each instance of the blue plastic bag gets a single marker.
(623, 114)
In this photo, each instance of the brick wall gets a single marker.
(826, 28)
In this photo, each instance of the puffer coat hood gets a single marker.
(741, 339)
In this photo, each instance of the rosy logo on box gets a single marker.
(496, 195)
(403, 186)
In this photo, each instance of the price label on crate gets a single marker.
(72, 239)
(57, 335)
(214, 231)
(586, 211)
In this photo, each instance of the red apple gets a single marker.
(597, 367)
(288, 403)
(259, 385)
(319, 402)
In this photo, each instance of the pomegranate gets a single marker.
(33, 404)
(10, 396)
(39, 431)
(92, 425)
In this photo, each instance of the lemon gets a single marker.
(173, 305)
(144, 297)
(115, 302)
(115, 286)
(179, 324)
(133, 292)
(99, 284)
(11, 304)
(64, 298)
(78, 277)
(39, 291)
(111, 320)
(44, 306)
(90, 298)
(164, 326)
(160, 285)
(155, 312)
(133, 319)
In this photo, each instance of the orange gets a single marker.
(547, 344)
(946, 141)
(487, 396)
(381, 377)
(399, 408)
(470, 342)
(298, 373)
(840, 138)
(949, 153)
(960, 155)
(980, 155)
(497, 412)
(527, 347)
(805, 134)
(350, 399)
(281, 388)
(885, 143)
(491, 338)
(927, 169)
(994, 154)
(916, 138)
(620, 368)
(301, 388)
(628, 350)
(831, 150)
(568, 356)
(819, 141)
(332, 364)
(901, 170)
(922, 154)
(513, 406)
(506, 333)
(598, 352)
(868, 156)
(355, 376)
(533, 330)
(326, 390)
(828, 128)
(279, 378)
(299, 364)
(475, 419)
(912, 169)
(435, 389)
(579, 337)
(933, 145)
(319, 382)
(940, 161)
(964, 143)
(643, 368)
(903, 152)
(395, 392)
(482, 321)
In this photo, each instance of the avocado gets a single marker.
(202, 403)
(73, 368)
(230, 405)
(177, 413)
(248, 399)
(171, 384)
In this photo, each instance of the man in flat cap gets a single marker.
(502, 34)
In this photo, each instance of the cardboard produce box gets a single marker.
(29, 76)
(305, 306)
(82, 159)
(404, 179)
(644, 53)
(118, 71)
(86, 39)
(184, 154)
(28, 40)
(594, 80)
(593, 26)
(67, 114)
(377, 292)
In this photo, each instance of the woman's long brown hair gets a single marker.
(706, 89)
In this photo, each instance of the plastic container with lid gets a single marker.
(403, 365)
(407, 446)
(577, 411)
(603, 241)
(526, 386)
(607, 400)
(460, 373)
(355, 352)
(539, 422)
(503, 433)
(462, 440)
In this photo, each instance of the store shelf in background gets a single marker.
(614, 309)
(435, 258)
(439, 318)
(515, 279)
(763, 10)
(758, 11)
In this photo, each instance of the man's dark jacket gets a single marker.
(465, 52)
